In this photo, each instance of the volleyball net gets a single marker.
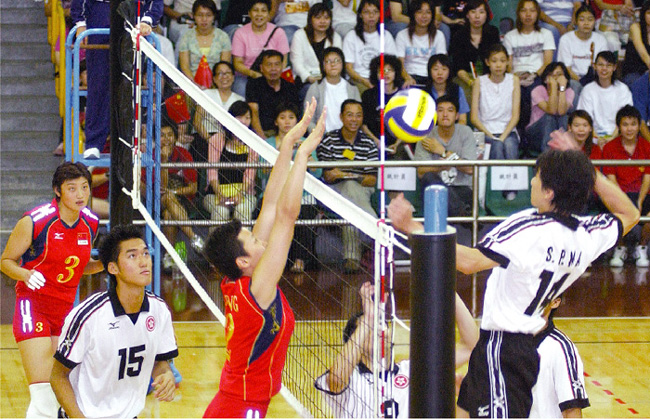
(212, 168)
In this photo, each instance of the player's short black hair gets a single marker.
(109, 250)
(222, 248)
(69, 171)
(571, 177)
(627, 111)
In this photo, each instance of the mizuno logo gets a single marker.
(58, 236)
(114, 325)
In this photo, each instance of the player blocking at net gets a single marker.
(259, 320)
(534, 255)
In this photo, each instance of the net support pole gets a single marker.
(433, 289)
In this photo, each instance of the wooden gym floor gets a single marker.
(606, 314)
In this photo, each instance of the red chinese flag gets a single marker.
(203, 76)
(177, 108)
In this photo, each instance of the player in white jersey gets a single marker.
(115, 341)
(348, 385)
(560, 388)
(534, 256)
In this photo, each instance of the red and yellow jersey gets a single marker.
(256, 342)
(58, 251)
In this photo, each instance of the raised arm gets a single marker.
(271, 265)
(278, 176)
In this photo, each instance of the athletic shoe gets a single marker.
(641, 256)
(197, 243)
(91, 154)
(620, 254)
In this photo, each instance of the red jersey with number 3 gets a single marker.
(256, 342)
(58, 251)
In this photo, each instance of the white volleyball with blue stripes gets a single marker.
(410, 114)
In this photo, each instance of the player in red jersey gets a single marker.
(259, 320)
(47, 253)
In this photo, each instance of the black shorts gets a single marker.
(502, 371)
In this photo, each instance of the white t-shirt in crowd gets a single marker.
(576, 54)
(335, 95)
(527, 50)
(602, 104)
(344, 14)
(495, 103)
(361, 53)
(293, 12)
(416, 51)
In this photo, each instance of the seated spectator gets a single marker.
(308, 47)
(633, 180)
(551, 102)
(557, 16)
(251, 39)
(613, 20)
(495, 108)
(604, 96)
(641, 98)
(579, 47)
(180, 17)
(223, 76)
(453, 15)
(344, 16)
(439, 83)
(356, 184)
(399, 19)
(265, 93)
(531, 49)
(449, 141)
(302, 252)
(362, 45)
(204, 40)
(370, 102)
(418, 42)
(291, 15)
(581, 126)
(178, 187)
(637, 51)
(470, 43)
(333, 90)
(231, 191)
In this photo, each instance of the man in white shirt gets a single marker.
(534, 255)
(114, 342)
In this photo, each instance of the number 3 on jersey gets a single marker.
(539, 302)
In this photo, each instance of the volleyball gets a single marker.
(410, 115)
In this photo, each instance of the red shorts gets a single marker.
(38, 316)
(223, 406)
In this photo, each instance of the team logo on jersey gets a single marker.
(114, 325)
(151, 323)
(58, 236)
(82, 239)
(65, 346)
(401, 381)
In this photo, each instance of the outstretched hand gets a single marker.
(310, 144)
(295, 134)
(563, 141)
(400, 212)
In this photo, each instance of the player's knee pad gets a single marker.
(43, 403)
